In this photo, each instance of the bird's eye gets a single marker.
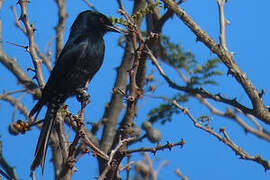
(101, 20)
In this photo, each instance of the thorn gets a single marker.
(222, 129)
(27, 49)
(268, 108)
(261, 93)
(30, 69)
(227, 22)
(23, 16)
(230, 72)
(33, 28)
(34, 77)
(183, 143)
(16, 44)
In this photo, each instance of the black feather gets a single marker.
(78, 62)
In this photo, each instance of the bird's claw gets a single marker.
(82, 95)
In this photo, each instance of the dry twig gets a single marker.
(226, 57)
(30, 34)
(227, 141)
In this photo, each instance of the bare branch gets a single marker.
(222, 23)
(22, 77)
(194, 91)
(122, 142)
(94, 148)
(9, 171)
(17, 23)
(179, 173)
(88, 138)
(227, 141)
(227, 58)
(230, 114)
(115, 106)
(30, 34)
(157, 148)
(46, 60)
(121, 6)
(90, 5)
(111, 162)
(60, 28)
(127, 166)
(16, 103)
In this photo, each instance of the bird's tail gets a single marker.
(36, 109)
(44, 136)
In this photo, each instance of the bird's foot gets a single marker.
(82, 95)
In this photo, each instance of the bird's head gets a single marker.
(93, 21)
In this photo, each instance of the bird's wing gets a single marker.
(59, 77)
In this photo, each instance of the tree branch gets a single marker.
(7, 168)
(222, 23)
(226, 140)
(60, 28)
(30, 34)
(157, 148)
(227, 58)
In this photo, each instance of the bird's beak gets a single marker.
(114, 29)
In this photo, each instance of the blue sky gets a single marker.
(203, 156)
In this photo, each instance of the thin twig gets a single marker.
(94, 148)
(194, 91)
(227, 141)
(40, 54)
(117, 148)
(60, 28)
(92, 6)
(156, 148)
(222, 23)
(9, 171)
(232, 115)
(127, 166)
(179, 174)
(16, 103)
(30, 34)
(227, 58)
(120, 4)
(110, 162)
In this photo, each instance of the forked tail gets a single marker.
(44, 136)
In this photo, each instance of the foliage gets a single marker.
(199, 75)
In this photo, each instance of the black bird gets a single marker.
(78, 62)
